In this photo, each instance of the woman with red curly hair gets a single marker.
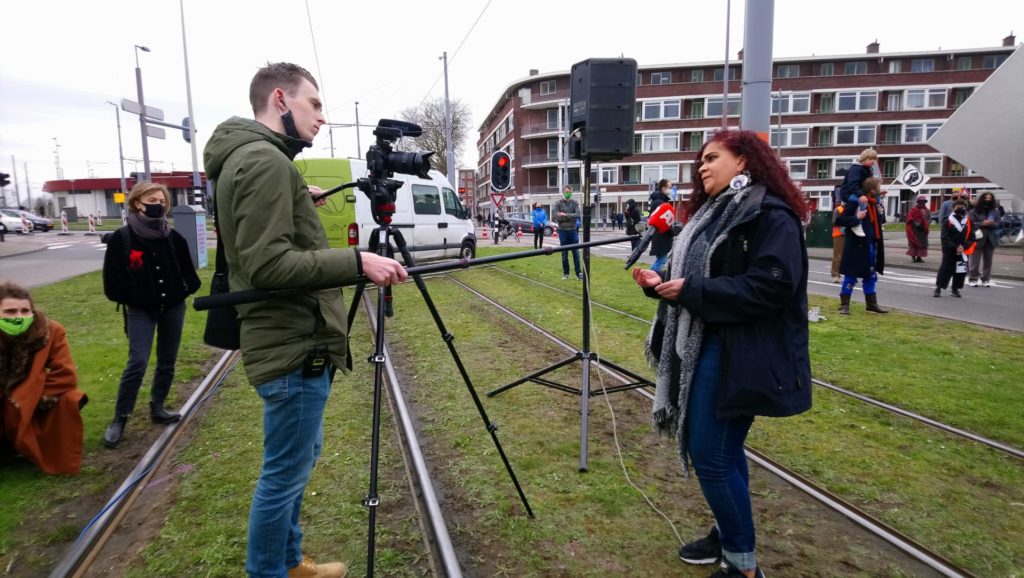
(148, 270)
(729, 341)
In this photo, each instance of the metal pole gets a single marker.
(14, 177)
(725, 73)
(778, 146)
(450, 152)
(359, 147)
(142, 115)
(330, 136)
(28, 190)
(756, 101)
(197, 184)
(56, 158)
(120, 150)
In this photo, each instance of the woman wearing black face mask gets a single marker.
(985, 219)
(148, 270)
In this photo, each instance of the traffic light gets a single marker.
(5, 179)
(501, 171)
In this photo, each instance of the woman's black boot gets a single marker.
(160, 415)
(115, 431)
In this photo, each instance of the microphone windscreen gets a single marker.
(662, 218)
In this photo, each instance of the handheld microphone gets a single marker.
(660, 222)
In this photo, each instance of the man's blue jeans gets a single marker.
(570, 237)
(716, 451)
(293, 411)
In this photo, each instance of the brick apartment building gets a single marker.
(825, 110)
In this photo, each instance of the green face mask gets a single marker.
(567, 196)
(15, 326)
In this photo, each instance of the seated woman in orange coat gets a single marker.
(40, 418)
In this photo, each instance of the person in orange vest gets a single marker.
(957, 245)
(838, 241)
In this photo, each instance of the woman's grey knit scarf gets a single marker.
(674, 343)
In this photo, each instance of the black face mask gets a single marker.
(289, 129)
(960, 213)
(154, 211)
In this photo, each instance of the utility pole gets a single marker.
(725, 73)
(14, 179)
(197, 184)
(56, 157)
(359, 147)
(756, 100)
(450, 152)
(142, 115)
(120, 150)
(28, 190)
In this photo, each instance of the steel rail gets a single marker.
(80, 556)
(873, 525)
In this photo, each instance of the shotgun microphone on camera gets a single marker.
(659, 223)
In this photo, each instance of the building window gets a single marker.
(696, 109)
(553, 148)
(914, 133)
(553, 119)
(696, 140)
(963, 63)
(855, 68)
(608, 175)
(859, 135)
(659, 142)
(547, 87)
(858, 101)
(732, 74)
(654, 173)
(960, 95)
(661, 77)
(787, 71)
(843, 165)
(696, 76)
(893, 101)
(789, 137)
(892, 135)
(993, 60)
(956, 169)
(632, 175)
(796, 102)
(552, 178)
(825, 136)
(922, 65)
(714, 107)
(797, 169)
(828, 69)
(822, 168)
(895, 66)
(925, 98)
(661, 109)
(827, 103)
(889, 167)
(637, 144)
(931, 166)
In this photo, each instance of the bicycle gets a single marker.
(503, 231)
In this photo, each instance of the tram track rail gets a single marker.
(997, 445)
(869, 523)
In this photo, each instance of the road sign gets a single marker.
(497, 200)
(155, 132)
(119, 198)
(134, 108)
(912, 177)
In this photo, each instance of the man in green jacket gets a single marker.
(273, 239)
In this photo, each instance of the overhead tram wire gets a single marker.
(456, 53)
(320, 77)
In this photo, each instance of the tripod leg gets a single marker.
(449, 340)
(372, 499)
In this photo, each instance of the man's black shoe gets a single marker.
(158, 414)
(707, 550)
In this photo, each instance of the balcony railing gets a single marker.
(543, 127)
(540, 159)
(536, 98)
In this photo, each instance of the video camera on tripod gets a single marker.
(382, 162)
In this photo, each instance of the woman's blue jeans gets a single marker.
(715, 447)
(293, 411)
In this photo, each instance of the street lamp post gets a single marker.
(359, 148)
(142, 114)
(120, 150)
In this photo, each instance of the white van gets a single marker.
(428, 212)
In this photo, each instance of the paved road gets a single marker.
(58, 257)
(906, 289)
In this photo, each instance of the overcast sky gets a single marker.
(62, 59)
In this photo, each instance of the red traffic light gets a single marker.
(501, 171)
(502, 161)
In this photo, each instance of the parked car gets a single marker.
(38, 223)
(11, 220)
(525, 220)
